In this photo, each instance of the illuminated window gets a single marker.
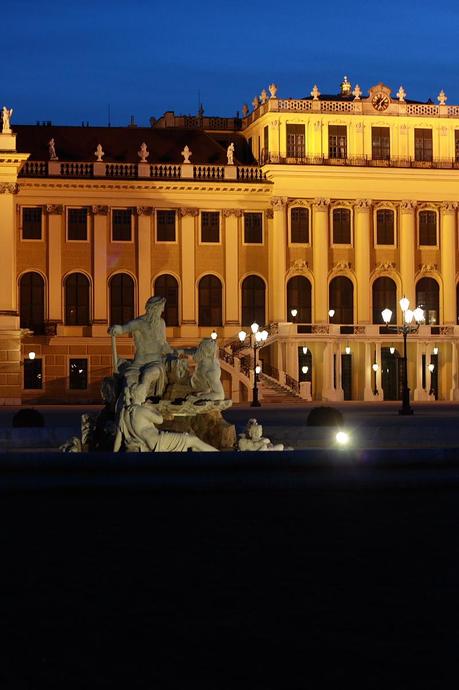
(210, 226)
(165, 226)
(77, 227)
(380, 143)
(31, 223)
(121, 225)
(385, 226)
(253, 228)
(427, 228)
(33, 374)
(295, 141)
(78, 374)
(299, 225)
(337, 141)
(341, 226)
(423, 144)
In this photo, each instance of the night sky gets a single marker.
(66, 62)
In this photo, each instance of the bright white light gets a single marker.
(264, 335)
(305, 369)
(347, 350)
(254, 327)
(293, 312)
(258, 336)
(404, 303)
(431, 368)
(331, 313)
(213, 335)
(242, 335)
(392, 350)
(419, 314)
(305, 350)
(408, 316)
(258, 369)
(375, 367)
(31, 355)
(387, 315)
(342, 437)
(435, 351)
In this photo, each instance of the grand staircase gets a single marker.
(272, 393)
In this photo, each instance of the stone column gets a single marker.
(448, 260)
(339, 373)
(368, 390)
(144, 232)
(187, 253)
(231, 244)
(327, 373)
(54, 246)
(408, 248)
(8, 286)
(362, 230)
(420, 393)
(277, 253)
(100, 230)
(320, 244)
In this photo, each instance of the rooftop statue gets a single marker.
(186, 153)
(6, 119)
(151, 348)
(99, 153)
(52, 150)
(143, 153)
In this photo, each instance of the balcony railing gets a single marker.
(361, 160)
(143, 171)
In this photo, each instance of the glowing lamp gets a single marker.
(375, 367)
(431, 367)
(386, 315)
(404, 303)
(305, 350)
(31, 355)
(435, 351)
(419, 314)
(392, 350)
(242, 335)
(213, 335)
(347, 350)
(331, 313)
(408, 314)
(342, 438)
(305, 369)
(254, 327)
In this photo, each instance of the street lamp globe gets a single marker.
(264, 335)
(258, 369)
(305, 350)
(305, 369)
(214, 335)
(408, 315)
(31, 355)
(404, 303)
(242, 335)
(419, 314)
(254, 327)
(375, 367)
(431, 367)
(386, 315)
(293, 312)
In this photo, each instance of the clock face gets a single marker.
(380, 101)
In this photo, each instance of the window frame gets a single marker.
(253, 244)
(207, 243)
(379, 127)
(122, 208)
(437, 228)
(221, 306)
(90, 299)
(337, 158)
(30, 239)
(171, 210)
(423, 159)
(351, 228)
(67, 214)
(297, 148)
(375, 225)
(289, 221)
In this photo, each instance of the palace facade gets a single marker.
(333, 206)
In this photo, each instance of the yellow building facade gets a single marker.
(333, 206)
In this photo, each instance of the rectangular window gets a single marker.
(341, 226)
(385, 227)
(380, 143)
(77, 224)
(423, 144)
(428, 228)
(165, 226)
(299, 226)
(337, 141)
(210, 226)
(253, 228)
(121, 225)
(31, 223)
(78, 374)
(33, 375)
(295, 141)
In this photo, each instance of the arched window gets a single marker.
(384, 296)
(121, 298)
(77, 300)
(341, 299)
(167, 286)
(299, 297)
(32, 302)
(210, 301)
(253, 301)
(427, 297)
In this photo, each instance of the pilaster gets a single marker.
(448, 260)
(55, 212)
(187, 250)
(277, 247)
(100, 215)
(362, 258)
(232, 293)
(407, 247)
(144, 234)
(320, 243)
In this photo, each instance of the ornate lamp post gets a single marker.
(375, 368)
(257, 340)
(405, 329)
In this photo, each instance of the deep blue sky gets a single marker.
(66, 61)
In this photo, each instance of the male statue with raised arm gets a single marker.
(151, 348)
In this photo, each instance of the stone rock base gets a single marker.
(210, 427)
